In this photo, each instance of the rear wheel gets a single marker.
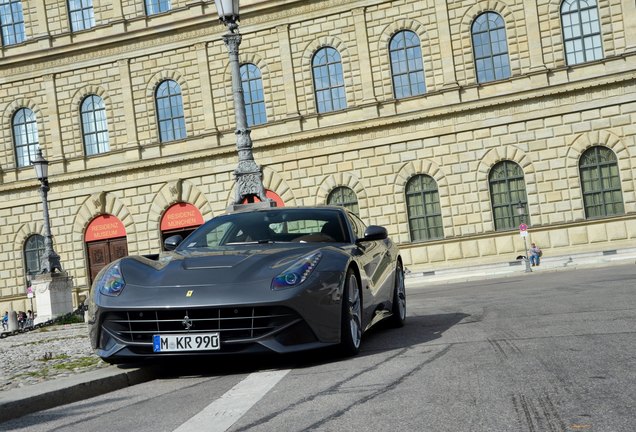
(351, 317)
(398, 309)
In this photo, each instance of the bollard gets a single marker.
(13, 320)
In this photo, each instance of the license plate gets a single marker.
(186, 342)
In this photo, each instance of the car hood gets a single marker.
(211, 267)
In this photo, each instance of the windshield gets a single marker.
(270, 226)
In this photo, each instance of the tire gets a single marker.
(398, 308)
(351, 316)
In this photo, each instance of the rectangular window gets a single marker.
(11, 22)
(81, 14)
(154, 7)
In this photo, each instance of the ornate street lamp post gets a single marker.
(248, 175)
(49, 260)
(521, 211)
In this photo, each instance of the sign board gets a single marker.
(181, 215)
(104, 227)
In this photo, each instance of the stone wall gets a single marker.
(542, 118)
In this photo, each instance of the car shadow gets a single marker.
(381, 338)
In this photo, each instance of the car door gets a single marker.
(374, 259)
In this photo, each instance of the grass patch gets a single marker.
(49, 356)
(81, 362)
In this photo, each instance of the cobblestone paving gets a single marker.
(46, 354)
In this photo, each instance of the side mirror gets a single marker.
(172, 242)
(374, 232)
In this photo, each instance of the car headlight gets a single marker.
(111, 283)
(298, 272)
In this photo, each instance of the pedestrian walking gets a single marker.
(5, 321)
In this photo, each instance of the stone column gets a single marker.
(52, 295)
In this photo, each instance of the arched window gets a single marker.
(507, 190)
(600, 183)
(253, 94)
(328, 80)
(11, 22)
(345, 197)
(81, 14)
(170, 111)
(423, 208)
(490, 47)
(157, 6)
(581, 31)
(25, 136)
(33, 249)
(94, 126)
(407, 67)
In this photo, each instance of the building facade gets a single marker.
(436, 119)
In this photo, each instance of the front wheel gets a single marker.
(398, 309)
(351, 316)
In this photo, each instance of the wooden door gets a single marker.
(103, 252)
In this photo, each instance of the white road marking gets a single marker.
(221, 414)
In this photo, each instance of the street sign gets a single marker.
(523, 230)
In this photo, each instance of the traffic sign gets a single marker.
(523, 227)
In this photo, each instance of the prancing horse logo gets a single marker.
(187, 322)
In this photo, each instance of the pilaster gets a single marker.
(291, 98)
(53, 118)
(129, 104)
(446, 44)
(368, 89)
(209, 123)
(534, 36)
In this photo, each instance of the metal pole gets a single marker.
(248, 175)
(528, 268)
(49, 260)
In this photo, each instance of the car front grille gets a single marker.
(234, 324)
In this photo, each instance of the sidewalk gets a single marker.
(103, 378)
(518, 267)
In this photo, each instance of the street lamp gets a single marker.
(248, 175)
(521, 211)
(49, 260)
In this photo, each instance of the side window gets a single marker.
(154, 7)
(25, 136)
(601, 183)
(344, 197)
(11, 22)
(328, 80)
(81, 14)
(490, 47)
(33, 249)
(423, 208)
(407, 66)
(357, 225)
(581, 31)
(253, 94)
(94, 126)
(507, 190)
(170, 111)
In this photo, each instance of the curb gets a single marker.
(51, 394)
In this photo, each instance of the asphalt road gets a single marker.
(537, 352)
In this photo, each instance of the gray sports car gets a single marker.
(263, 279)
